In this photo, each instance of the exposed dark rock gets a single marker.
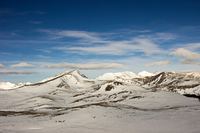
(192, 96)
(117, 83)
(109, 87)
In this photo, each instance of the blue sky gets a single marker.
(42, 38)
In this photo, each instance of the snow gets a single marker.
(145, 74)
(69, 102)
(136, 108)
(53, 77)
(122, 75)
(7, 85)
(194, 74)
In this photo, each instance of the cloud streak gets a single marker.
(158, 63)
(22, 65)
(83, 35)
(108, 44)
(86, 66)
(193, 46)
(190, 62)
(146, 46)
(16, 72)
(2, 66)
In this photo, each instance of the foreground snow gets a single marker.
(69, 102)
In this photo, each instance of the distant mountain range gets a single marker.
(185, 83)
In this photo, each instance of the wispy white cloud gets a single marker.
(158, 63)
(9, 72)
(7, 34)
(2, 66)
(144, 45)
(84, 35)
(164, 36)
(85, 66)
(78, 34)
(22, 64)
(190, 62)
(193, 46)
(109, 43)
(160, 36)
(186, 54)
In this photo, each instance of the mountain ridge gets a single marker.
(185, 83)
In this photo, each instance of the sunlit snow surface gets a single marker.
(71, 103)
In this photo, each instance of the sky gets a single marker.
(40, 38)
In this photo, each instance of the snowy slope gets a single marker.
(114, 103)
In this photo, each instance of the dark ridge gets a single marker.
(79, 94)
(187, 86)
(63, 84)
(192, 96)
(138, 97)
(82, 75)
(114, 104)
(124, 92)
(81, 99)
(162, 75)
(54, 92)
(117, 83)
(40, 83)
(17, 113)
(152, 78)
(124, 106)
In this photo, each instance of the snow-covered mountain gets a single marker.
(72, 79)
(7, 85)
(145, 74)
(114, 102)
(186, 83)
(183, 83)
(120, 75)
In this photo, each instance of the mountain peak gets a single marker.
(145, 74)
(77, 73)
(122, 75)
